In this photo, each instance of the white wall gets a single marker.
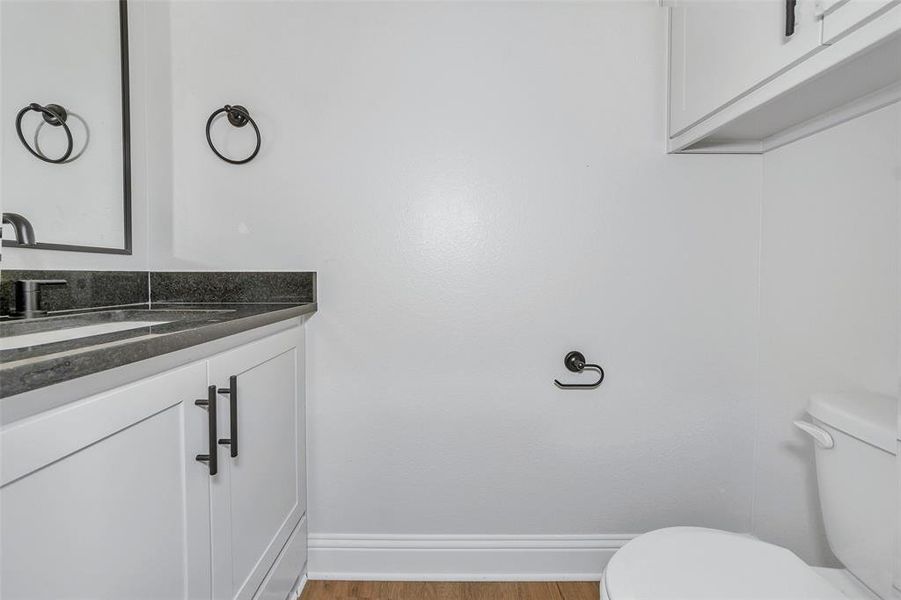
(482, 187)
(829, 303)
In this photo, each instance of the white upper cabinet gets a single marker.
(843, 16)
(720, 49)
(742, 80)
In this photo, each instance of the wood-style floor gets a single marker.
(395, 590)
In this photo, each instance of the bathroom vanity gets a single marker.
(152, 445)
(185, 479)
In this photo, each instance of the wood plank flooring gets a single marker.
(434, 590)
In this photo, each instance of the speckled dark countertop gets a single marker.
(29, 368)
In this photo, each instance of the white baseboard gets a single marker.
(298, 589)
(461, 557)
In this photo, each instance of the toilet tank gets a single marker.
(857, 479)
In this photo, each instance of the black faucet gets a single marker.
(22, 227)
(28, 297)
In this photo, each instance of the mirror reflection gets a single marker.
(65, 138)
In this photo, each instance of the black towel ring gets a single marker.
(238, 117)
(54, 115)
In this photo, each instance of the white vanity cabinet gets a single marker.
(105, 498)
(259, 496)
(721, 49)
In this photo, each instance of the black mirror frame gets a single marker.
(126, 157)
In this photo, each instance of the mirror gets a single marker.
(64, 105)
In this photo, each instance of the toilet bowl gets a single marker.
(856, 437)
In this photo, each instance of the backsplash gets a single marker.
(96, 289)
(86, 289)
(229, 286)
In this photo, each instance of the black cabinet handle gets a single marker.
(232, 392)
(212, 459)
(790, 17)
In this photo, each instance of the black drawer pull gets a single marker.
(212, 459)
(232, 392)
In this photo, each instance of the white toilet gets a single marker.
(856, 440)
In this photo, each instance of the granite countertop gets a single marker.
(184, 325)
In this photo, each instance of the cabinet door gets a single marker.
(261, 495)
(104, 498)
(844, 16)
(722, 49)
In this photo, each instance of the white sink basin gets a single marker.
(72, 333)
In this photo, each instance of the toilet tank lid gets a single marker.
(872, 418)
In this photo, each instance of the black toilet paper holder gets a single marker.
(575, 362)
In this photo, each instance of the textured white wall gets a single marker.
(482, 187)
(829, 303)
